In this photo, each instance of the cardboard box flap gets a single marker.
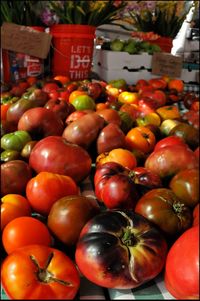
(24, 39)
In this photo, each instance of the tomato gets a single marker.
(62, 78)
(176, 84)
(15, 140)
(39, 272)
(25, 230)
(48, 87)
(110, 116)
(185, 185)
(168, 160)
(140, 138)
(83, 102)
(55, 154)
(128, 97)
(119, 155)
(76, 93)
(15, 175)
(48, 187)
(169, 112)
(114, 187)
(68, 215)
(164, 209)
(169, 141)
(9, 155)
(4, 109)
(120, 249)
(12, 206)
(182, 266)
(196, 215)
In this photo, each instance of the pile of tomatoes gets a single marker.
(139, 146)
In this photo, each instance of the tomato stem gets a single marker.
(178, 207)
(44, 275)
(128, 237)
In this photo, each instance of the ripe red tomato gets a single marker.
(23, 231)
(55, 154)
(39, 272)
(120, 249)
(170, 140)
(12, 206)
(196, 215)
(49, 87)
(48, 187)
(182, 266)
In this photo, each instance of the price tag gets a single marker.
(24, 39)
(166, 64)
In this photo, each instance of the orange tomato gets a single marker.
(76, 93)
(48, 187)
(169, 112)
(119, 155)
(101, 106)
(12, 206)
(176, 84)
(62, 78)
(140, 138)
(25, 230)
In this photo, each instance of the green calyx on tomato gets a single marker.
(15, 140)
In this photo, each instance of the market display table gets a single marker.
(152, 290)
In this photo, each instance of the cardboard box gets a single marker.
(116, 60)
(131, 77)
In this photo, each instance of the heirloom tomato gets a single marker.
(119, 155)
(120, 249)
(12, 206)
(140, 138)
(196, 215)
(39, 272)
(55, 154)
(69, 214)
(25, 230)
(182, 266)
(162, 207)
(15, 175)
(15, 140)
(185, 185)
(114, 186)
(46, 188)
(169, 141)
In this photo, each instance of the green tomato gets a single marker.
(118, 83)
(15, 140)
(9, 155)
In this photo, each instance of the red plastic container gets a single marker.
(73, 46)
(165, 43)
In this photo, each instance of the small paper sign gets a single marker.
(24, 39)
(166, 64)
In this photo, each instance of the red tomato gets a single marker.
(25, 230)
(196, 215)
(39, 272)
(48, 187)
(48, 87)
(169, 141)
(182, 266)
(12, 206)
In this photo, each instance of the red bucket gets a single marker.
(20, 65)
(73, 50)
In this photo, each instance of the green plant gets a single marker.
(93, 13)
(163, 18)
(22, 12)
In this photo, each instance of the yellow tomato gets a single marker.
(128, 97)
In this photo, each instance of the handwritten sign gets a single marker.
(24, 39)
(166, 64)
